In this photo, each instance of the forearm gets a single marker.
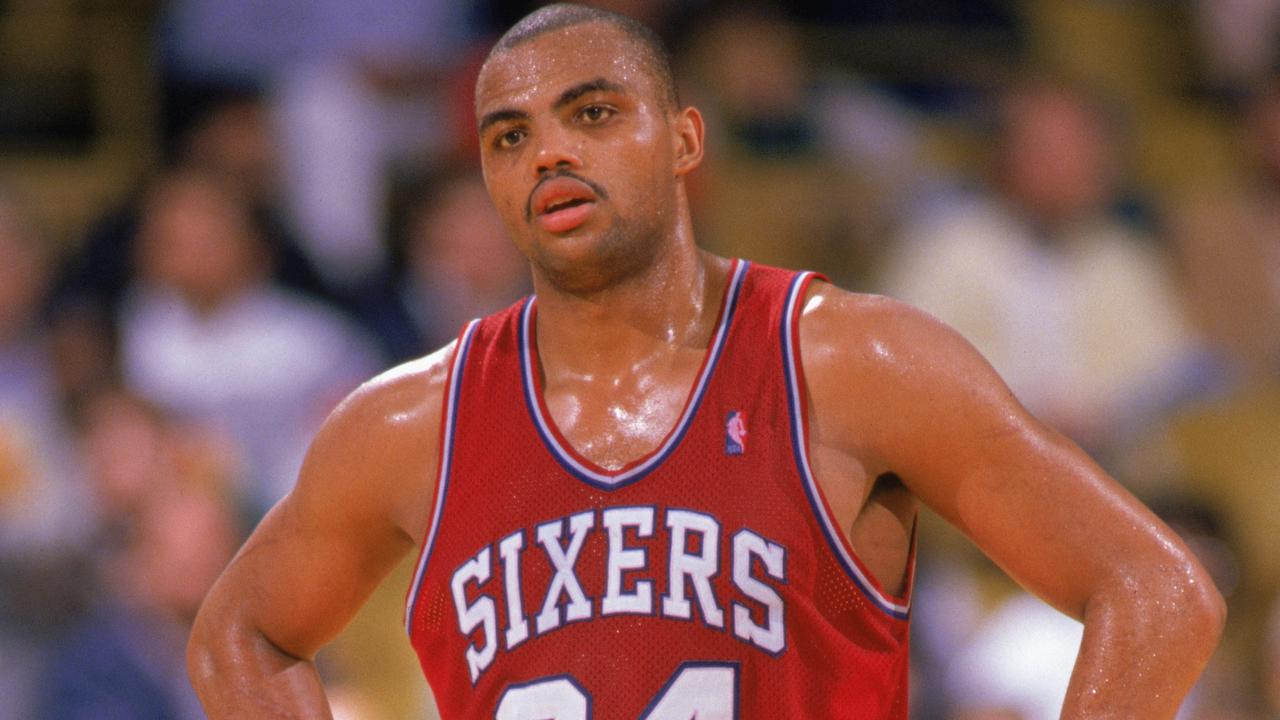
(238, 673)
(1143, 651)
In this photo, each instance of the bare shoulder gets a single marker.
(872, 339)
(377, 451)
(398, 400)
(878, 369)
(844, 325)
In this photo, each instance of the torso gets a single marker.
(575, 466)
(614, 418)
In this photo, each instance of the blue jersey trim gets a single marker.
(800, 447)
(613, 481)
(446, 462)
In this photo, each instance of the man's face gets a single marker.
(579, 153)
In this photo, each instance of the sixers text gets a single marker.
(693, 546)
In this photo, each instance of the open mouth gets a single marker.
(565, 215)
(561, 204)
(565, 204)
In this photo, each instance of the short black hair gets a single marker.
(563, 15)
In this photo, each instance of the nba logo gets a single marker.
(735, 433)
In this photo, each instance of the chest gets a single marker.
(613, 418)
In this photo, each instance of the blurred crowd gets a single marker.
(1034, 173)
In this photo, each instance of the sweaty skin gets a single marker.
(902, 411)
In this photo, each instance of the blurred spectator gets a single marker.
(354, 87)
(1069, 302)
(223, 131)
(1016, 665)
(750, 64)
(1271, 661)
(42, 508)
(126, 660)
(37, 478)
(231, 136)
(84, 352)
(206, 334)
(911, 13)
(456, 264)
(132, 450)
(1228, 267)
(225, 128)
(1223, 445)
(119, 643)
(834, 153)
(1016, 662)
(1227, 242)
(1262, 130)
(656, 14)
(1237, 41)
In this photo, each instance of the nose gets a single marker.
(556, 151)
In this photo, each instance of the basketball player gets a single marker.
(670, 485)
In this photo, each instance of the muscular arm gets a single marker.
(316, 557)
(916, 400)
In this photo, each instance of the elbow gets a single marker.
(219, 656)
(200, 656)
(215, 646)
(1194, 606)
(1204, 618)
(1202, 603)
(1209, 608)
(1173, 605)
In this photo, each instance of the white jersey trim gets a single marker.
(800, 443)
(446, 462)
(568, 459)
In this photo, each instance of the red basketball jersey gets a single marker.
(705, 580)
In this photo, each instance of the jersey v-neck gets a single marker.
(564, 452)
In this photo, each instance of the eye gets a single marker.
(509, 139)
(593, 114)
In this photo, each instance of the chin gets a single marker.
(589, 263)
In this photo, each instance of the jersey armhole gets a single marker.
(448, 416)
(797, 404)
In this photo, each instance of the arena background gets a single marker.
(217, 216)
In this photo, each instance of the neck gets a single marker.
(669, 306)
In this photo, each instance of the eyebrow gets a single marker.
(498, 116)
(598, 85)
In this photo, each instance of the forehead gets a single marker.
(549, 63)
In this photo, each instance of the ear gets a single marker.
(687, 132)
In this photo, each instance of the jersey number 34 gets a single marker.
(697, 690)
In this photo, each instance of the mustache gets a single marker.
(595, 187)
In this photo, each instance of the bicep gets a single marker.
(945, 423)
(1032, 501)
